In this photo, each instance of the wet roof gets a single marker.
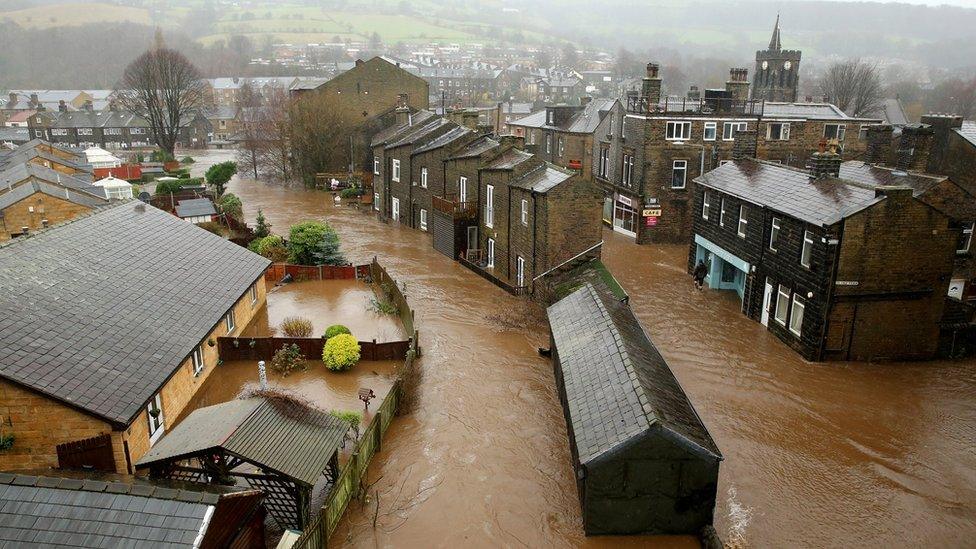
(617, 384)
(968, 131)
(857, 171)
(542, 179)
(195, 207)
(396, 131)
(824, 111)
(790, 191)
(134, 291)
(476, 148)
(15, 173)
(417, 132)
(585, 120)
(508, 160)
(454, 135)
(25, 190)
(66, 512)
(289, 438)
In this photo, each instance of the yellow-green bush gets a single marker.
(340, 353)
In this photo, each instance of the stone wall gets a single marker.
(46, 208)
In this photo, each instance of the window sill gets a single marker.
(153, 438)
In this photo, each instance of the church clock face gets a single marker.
(765, 65)
(787, 65)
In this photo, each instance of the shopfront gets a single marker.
(625, 215)
(725, 270)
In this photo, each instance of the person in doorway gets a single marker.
(701, 270)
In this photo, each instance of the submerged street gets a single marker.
(829, 454)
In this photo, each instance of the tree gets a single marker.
(954, 96)
(266, 131)
(305, 242)
(163, 87)
(854, 86)
(231, 205)
(569, 56)
(219, 174)
(542, 58)
(262, 228)
(328, 252)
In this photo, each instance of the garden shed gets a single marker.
(644, 462)
(274, 444)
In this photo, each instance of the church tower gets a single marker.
(777, 73)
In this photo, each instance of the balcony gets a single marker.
(707, 106)
(450, 205)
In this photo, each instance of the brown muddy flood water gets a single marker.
(823, 455)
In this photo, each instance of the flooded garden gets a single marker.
(816, 454)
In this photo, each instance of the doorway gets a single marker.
(396, 209)
(472, 237)
(767, 298)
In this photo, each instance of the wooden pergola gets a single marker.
(279, 447)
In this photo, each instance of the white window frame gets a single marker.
(627, 174)
(157, 425)
(423, 219)
(376, 166)
(85, 131)
(782, 296)
(395, 213)
(196, 359)
(561, 147)
(396, 170)
(968, 234)
(862, 132)
(706, 204)
(721, 213)
(682, 166)
(841, 132)
(230, 321)
(710, 126)
(525, 212)
(490, 254)
(782, 135)
(677, 131)
(743, 222)
(796, 317)
(490, 206)
(604, 161)
(519, 271)
(253, 292)
(548, 143)
(729, 129)
(806, 251)
(423, 177)
(376, 201)
(463, 189)
(774, 228)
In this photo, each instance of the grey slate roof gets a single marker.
(617, 384)
(863, 173)
(476, 148)
(451, 136)
(583, 121)
(509, 159)
(65, 512)
(824, 111)
(968, 131)
(790, 191)
(542, 179)
(416, 132)
(288, 438)
(13, 173)
(25, 190)
(194, 207)
(23, 154)
(394, 132)
(100, 311)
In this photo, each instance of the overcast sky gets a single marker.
(961, 3)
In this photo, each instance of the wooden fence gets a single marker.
(395, 294)
(263, 348)
(277, 271)
(90, 453)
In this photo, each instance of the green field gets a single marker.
(72, 14)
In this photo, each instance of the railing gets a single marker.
(455, 208)
(717, 105)
(474, 265)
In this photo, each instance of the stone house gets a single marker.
(111, 128)
(835, 268)
(370, 89)
(48, 155)
(35, 202)
(428, 170)
(643, 460)
(226, 123)
(111, 346)
(455, 213)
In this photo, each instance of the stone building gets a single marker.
(370, 89)
(837, 268)
(644, 462)
(777, 76)
(34, 203)
(109, 324)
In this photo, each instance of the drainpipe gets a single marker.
(829, 298)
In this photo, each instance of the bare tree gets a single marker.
(265, 145)
(854, 86)
(955, 96)
(162, 86)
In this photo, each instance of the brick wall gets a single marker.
(499, 231)
(573, 220)
(46, 207)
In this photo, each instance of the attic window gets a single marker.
(550, 116)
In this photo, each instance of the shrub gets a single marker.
(340, 352)
(169, 186)
(308, 241)
(187, 160)
(262, 228)
(354, 419)
(231, 205)
(296, 326)
(271, 247)
(288, 359)
(335, 330)
(219, 174)
(351, 192)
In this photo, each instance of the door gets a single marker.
(491, 253)
(519, 271)
(463, 190)
(472, 237)
(767, 297)
(396, 209)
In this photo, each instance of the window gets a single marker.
(604, 161)
(778, 131)
(137, 131)
(965, 239)
(463, 189)
(610, 129)
(490, 261)
(376, 201)
(197, 359)
(253, 292)
(807, 249)
(710, 131)
(679, 172)
(519, 271)
(396, 170)
(489, 206)
(423, 177)
(84, 131)
(550, 116)
(396, 209)
(562, 148)
(729, 129)
(627, 177)
(721, 213)
(743, 222)
(525, 212)
(423, 219)
(154, 412)
(548, 143)
(773, 234)
(113, 131)
(782, 304)
(835, 131)
(59, 131)
(230, 321)
(376, 166)
(678, 131)
(705, 206)
(796, 315)
(862, 133)
(39, 133)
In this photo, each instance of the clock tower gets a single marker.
(777, 71)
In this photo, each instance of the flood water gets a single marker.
(823, 455)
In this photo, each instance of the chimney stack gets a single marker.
(744, 145)
(942, 125)
(694, 94)
(62, 106)
(12, 97)
(89, 106)
(402, 111)
(585, 100)
(651, 87)
(879, 144)
(914, 147)
(825, 163)
(738, 83)
(34, 101)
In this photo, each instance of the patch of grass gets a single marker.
(75, 14)
(590, 272)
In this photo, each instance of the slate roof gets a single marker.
(24, 190)
(542, 179)
(968, 131)
(23, 154)
(97, 119)
(891, 112)
(100, 311)
(585, 120)
(823, 111)
(508, 160)
(44, 511)
(396, 131)
(863, 173)
(288, 438)
(14, 135)
(194, 207)
(222, 112)
(617, 384)
(417, 132)
(451, 136)
(476, 148)
(790, 191)
(15, 173)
